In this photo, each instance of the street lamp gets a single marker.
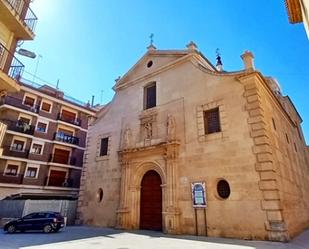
(27, 53)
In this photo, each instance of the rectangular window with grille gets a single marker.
(150, 96)
(104, 146)
(212, 121)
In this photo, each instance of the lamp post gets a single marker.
(36, 66)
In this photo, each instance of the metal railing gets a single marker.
(62, 137)
(59, 182)
(6, 177)
(15, 152)
(9, 100)
(19, 126)
(76, 121)
(10, 64)
(58, 93)
(29, 19)
(56, 158)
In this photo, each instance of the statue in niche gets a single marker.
(148, 130)
(171, 128)
(127, 138)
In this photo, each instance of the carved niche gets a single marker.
(148, 125)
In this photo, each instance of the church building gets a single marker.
(185, 147)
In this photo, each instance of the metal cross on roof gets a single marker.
(151, 38)
(218, 52)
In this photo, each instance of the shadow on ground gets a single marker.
(94, 237)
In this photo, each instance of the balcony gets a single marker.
(74, 121)
(62, 137)
(11, 69)
(19, 126)
(60, 182)
(55, 158)
(13, 179)
(9, 100)
(19, 18)
(13, 152)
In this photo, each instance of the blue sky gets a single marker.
(88, 44)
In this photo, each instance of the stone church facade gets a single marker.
(176, 120)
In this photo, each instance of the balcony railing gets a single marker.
(10, 178)
(14, 152)
(10, 64)
(29, 19)
(62, 137)
(55, 158)
(19, 126)
(63, 118)
(9, 100)
(59, 182)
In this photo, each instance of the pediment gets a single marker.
(154, 60)
(149, 63)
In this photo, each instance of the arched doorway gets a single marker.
(151, 202)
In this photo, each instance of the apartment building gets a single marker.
(44, 143)
(17, 23)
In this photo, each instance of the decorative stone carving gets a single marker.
(148, 130)
(171, 128)
(127, 138)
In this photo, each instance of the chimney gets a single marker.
(92, 101)
(191, 46)
(247, 58)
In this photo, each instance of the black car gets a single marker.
(46, 221)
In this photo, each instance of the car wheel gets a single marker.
(11, 229)
(47, 228)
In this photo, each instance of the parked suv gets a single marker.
(46, 221)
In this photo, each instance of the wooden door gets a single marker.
(151, 202)
(56, 178)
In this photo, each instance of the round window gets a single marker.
(223, 189)
(149, 64)
(99, 195)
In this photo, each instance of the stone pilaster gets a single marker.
(123, 211)
(268, 183)
(82, 203)
(172, 212)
